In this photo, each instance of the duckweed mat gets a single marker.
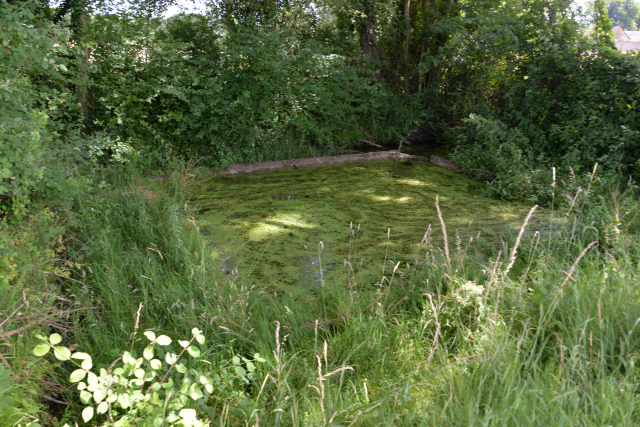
(292, 229)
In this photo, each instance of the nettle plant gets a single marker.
(156, 389)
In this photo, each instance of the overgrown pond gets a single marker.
(270, 225)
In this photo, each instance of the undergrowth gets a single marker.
(545, 331)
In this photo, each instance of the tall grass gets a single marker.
(551, 338)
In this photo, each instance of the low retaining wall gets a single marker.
(240, 168)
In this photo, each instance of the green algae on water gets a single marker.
(270, 225)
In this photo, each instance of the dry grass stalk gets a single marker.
(350, 238)
(321, 379)
(444, 232)
(534, 245)
(561, 350)
(575, 264)
(573, 202)
(425, 238)
(355, 249)
(600, 313)
(386, 253)
(276, 355)
(359, 413)
(392, 276)
(320, 248)
(593, 174)
(437, 335)
(514, 252)
(136, 326)
(351, 280)
(494, 271)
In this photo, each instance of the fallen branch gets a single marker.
(428, 130)
(51, 399)
(370, 143)
(58, 275)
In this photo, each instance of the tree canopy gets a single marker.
(625, 13)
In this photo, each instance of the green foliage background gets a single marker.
(225, 98)
(625, 13)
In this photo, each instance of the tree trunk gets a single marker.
(368, 38)
(438, 41)
(82, 67)
(79, 27)
(421, 78)
(407, 40)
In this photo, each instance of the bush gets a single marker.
(578, 107)
(159, 387)
(233, 97)
(491, 150)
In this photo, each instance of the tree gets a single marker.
(602, 24)
(625, 13)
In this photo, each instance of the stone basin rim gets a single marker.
(277, 165)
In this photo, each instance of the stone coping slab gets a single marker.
(242, 168)
(271, 166)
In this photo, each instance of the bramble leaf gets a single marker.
(99, 395)
(85, 397)
(92, 379)
(41, 349)
(148, 352)
(188, 414)
(102, 408)
(163, 340)
(55, 339)
(171, 358)
(77, 375)
(87, 413)
(62, 353)
(81, 356)
(193, 351)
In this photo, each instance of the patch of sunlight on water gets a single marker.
(276, 220)
(276, 224)
(413, 182)
(391, 199)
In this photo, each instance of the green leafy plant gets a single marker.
(159, 388)
(106, 149)
(493, 151)
(6, 384)
(250, 95)
(30, 53)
